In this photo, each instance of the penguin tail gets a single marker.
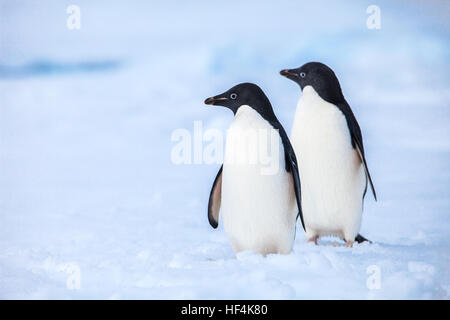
(359, 238)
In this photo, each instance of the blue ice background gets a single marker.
(86, 118)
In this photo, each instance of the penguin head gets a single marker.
(319, 76)
(243, 94)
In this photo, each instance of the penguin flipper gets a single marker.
(366, 169)
(297, 189)
(291, 166)
(215, 198)
(357, 141)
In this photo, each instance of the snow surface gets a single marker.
(87, 185)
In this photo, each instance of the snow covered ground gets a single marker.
(91, 205)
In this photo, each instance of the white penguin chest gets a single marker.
(319, 126)
(258, 202)
(331, 174)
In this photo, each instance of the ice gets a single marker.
(88, 191)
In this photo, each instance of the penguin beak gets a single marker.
(290, 74)
(215, 100)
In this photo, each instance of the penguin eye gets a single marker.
(233, 96)
(302, 74)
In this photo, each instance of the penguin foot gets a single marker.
(349, 244)
(314, 239)
(359, 238)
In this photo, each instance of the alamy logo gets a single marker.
(74, 20)
(373, 21)
(243, 146)
(373, 282)
(73, 271)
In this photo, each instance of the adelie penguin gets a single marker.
(259, 206)
(329, 146)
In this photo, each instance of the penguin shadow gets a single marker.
(337, 243)
(327, 243)
(366, 246)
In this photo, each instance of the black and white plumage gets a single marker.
(329, 146)
(258, 210)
